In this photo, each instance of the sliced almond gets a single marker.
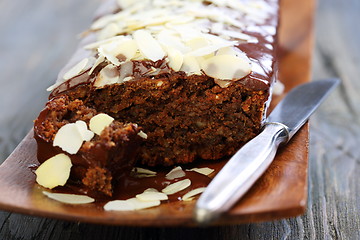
(54, 172)
(139, 170)
(228, 51)
(138, 204)
(207, 50)
(102, 22)
(148, 45)
(83, 130)
(237, 35)
(69, 138)
(69, 198)
(151, 190)
(278, 88)
(205, 170)
(124, 48)
(175, 173)
(130, 205)
(97, 44)
(77, 69)
(99, 122)
(188, 196)
(119, 205)
(223, 83)
(127, 49)
(108, 75)
(144, 175)
(108, 31)
(226, 67)
(151, 196)
(197, 42)
(176, 58)
(52, 87)
(190, 65)
(107, 51)
(177, 187)
(143, 135)
(171, 39)
(99, 60)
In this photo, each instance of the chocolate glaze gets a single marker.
(262, 54)
(130, 186)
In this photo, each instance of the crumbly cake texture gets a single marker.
(194, 75)
(100, 162)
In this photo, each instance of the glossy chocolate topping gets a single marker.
(260, 49)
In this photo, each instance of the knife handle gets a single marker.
(240, 173)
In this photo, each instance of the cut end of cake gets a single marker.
(99, 161)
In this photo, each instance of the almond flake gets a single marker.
(69, 198)
(99, 60)
(177, 187)
(119, 205)
(141, 175)
(176, 58)
(54, 172)
(127, 79)
(102, 22)
(138, 204)
(205, 170)
(139, 170)
(83, 131)
(107, 75)
(229, 51)
(130, 205)
(97, 44)
(223, 83)
(127, 49)
(108, 31)
(148, 46)
(198, 42)
(237, 35)
(278, 88)
(188, 196)
(142, 134)
(209, 49)
(170, 39)
(107, 51)
(99, 122)
(77, 69)
(226, 67)
(151, 190)
(151, 196)
(69, 138)
(123, 48)
(175, 173)
(190, 65)
(52, 87)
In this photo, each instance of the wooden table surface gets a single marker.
(35, 43)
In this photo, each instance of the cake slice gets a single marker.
(195, 76)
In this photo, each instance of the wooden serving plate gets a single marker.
(280, 193)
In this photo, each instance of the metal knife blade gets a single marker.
(251, 161)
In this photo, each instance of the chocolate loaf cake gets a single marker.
(183, 80)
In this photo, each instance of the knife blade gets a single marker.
(252, 160)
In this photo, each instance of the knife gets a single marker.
(251, 161)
